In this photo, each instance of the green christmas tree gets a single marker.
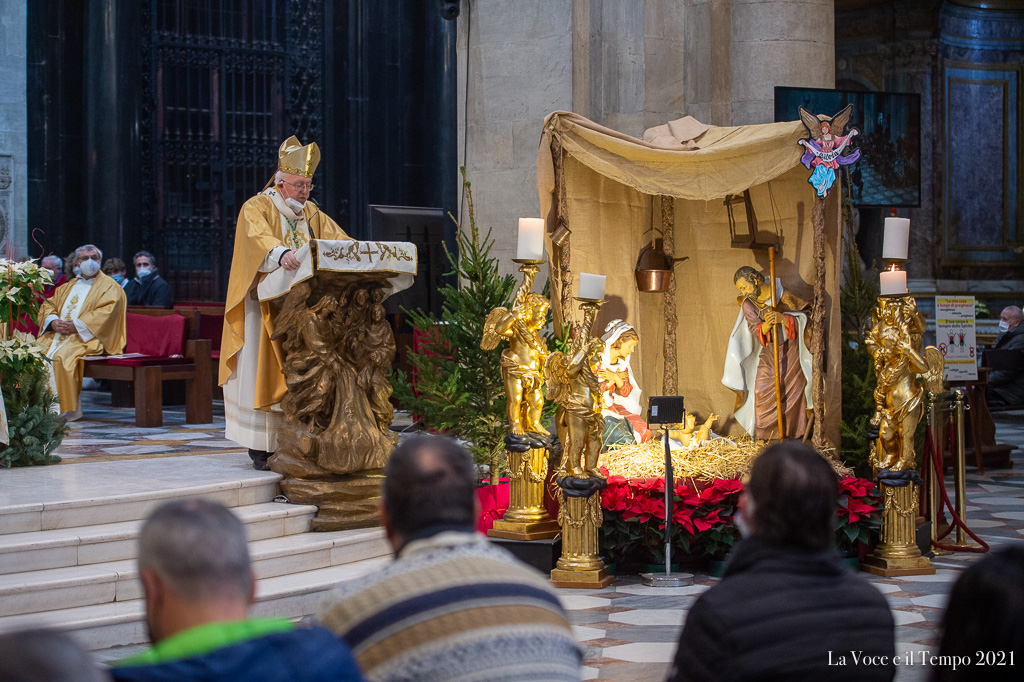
(458, 388)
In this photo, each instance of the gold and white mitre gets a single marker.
(298, 159)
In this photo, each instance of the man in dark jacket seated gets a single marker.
(1006, 386)
(194, 567)
(786, 608)
(148, 288)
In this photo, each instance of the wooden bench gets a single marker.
(170, 352)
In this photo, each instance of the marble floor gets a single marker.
(629, 631)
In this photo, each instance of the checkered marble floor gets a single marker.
(630, 631)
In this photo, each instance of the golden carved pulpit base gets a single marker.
(336, 436)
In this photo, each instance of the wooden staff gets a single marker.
(775, 344)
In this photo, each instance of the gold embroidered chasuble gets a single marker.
(101, 309)
(264, 224)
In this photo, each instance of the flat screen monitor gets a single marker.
(889, 170)
(430, 230)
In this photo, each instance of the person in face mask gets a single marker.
(83, 317)
(273, 227)
(785, 600)
(115, 269)
(148, 288)
(1006, 386)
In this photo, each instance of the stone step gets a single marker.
(83, 545)
(115, 624)
(93, 493)
(117, 581)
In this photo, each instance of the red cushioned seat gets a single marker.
(157, 336)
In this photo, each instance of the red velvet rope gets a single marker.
(931, 457)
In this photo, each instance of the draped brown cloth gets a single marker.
(613, 185)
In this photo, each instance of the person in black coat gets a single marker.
(148, 288)
(787, 608)
(1006, 386)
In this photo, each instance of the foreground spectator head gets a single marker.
(45, 656)
(429, 482)
(791, 497)
(1010, 318)
(985, 616)
(194, 567)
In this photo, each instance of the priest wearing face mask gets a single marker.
(272, 227)
(148, 288)
(83, 317)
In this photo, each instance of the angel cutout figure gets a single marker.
(522, 363)
(621, 408)
(823, 151)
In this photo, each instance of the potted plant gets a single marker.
(33, 429)
(858, 514)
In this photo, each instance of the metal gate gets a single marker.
(224, 82)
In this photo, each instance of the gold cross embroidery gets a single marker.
(71, 308)
(368, 252)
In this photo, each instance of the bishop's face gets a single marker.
(295, 187)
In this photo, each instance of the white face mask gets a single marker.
(294, 205)
(77, 271)
(1004, 326)
(89, 268)
(142, 272)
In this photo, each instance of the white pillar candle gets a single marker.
(531, 239)
(893, 282)
(897, 236)
(591, 286)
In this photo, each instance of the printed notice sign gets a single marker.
(955, 337)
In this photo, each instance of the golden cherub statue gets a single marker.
(894, 342)
(572, 384)
(523, 361)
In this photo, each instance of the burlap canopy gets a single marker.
(608, 189)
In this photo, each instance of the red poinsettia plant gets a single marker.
(859, 512)
(634, 518)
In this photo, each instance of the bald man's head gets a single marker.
(1010, 318)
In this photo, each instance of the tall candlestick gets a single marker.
(591, 286)
(897, 236)
(531, 239)
(893, 282)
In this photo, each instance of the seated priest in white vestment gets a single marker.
(271, 226)
(83, 317)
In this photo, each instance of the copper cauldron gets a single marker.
(653, 271)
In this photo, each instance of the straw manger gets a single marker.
(710, 459)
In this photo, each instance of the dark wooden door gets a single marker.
(227, 81)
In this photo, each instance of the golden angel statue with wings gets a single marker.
(572, 383)
(522, 362)
(823, 150)
(894, 342)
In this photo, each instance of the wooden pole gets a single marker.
(819, 441)
(775, 344)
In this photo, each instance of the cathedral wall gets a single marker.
(626, 65)
(13, 128)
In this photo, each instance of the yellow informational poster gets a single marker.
(955, 337)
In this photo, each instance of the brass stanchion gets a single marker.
(934, 497)
(960, 471)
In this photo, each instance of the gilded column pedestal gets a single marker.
(897, 552)
(526, 518)
(580, 516)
